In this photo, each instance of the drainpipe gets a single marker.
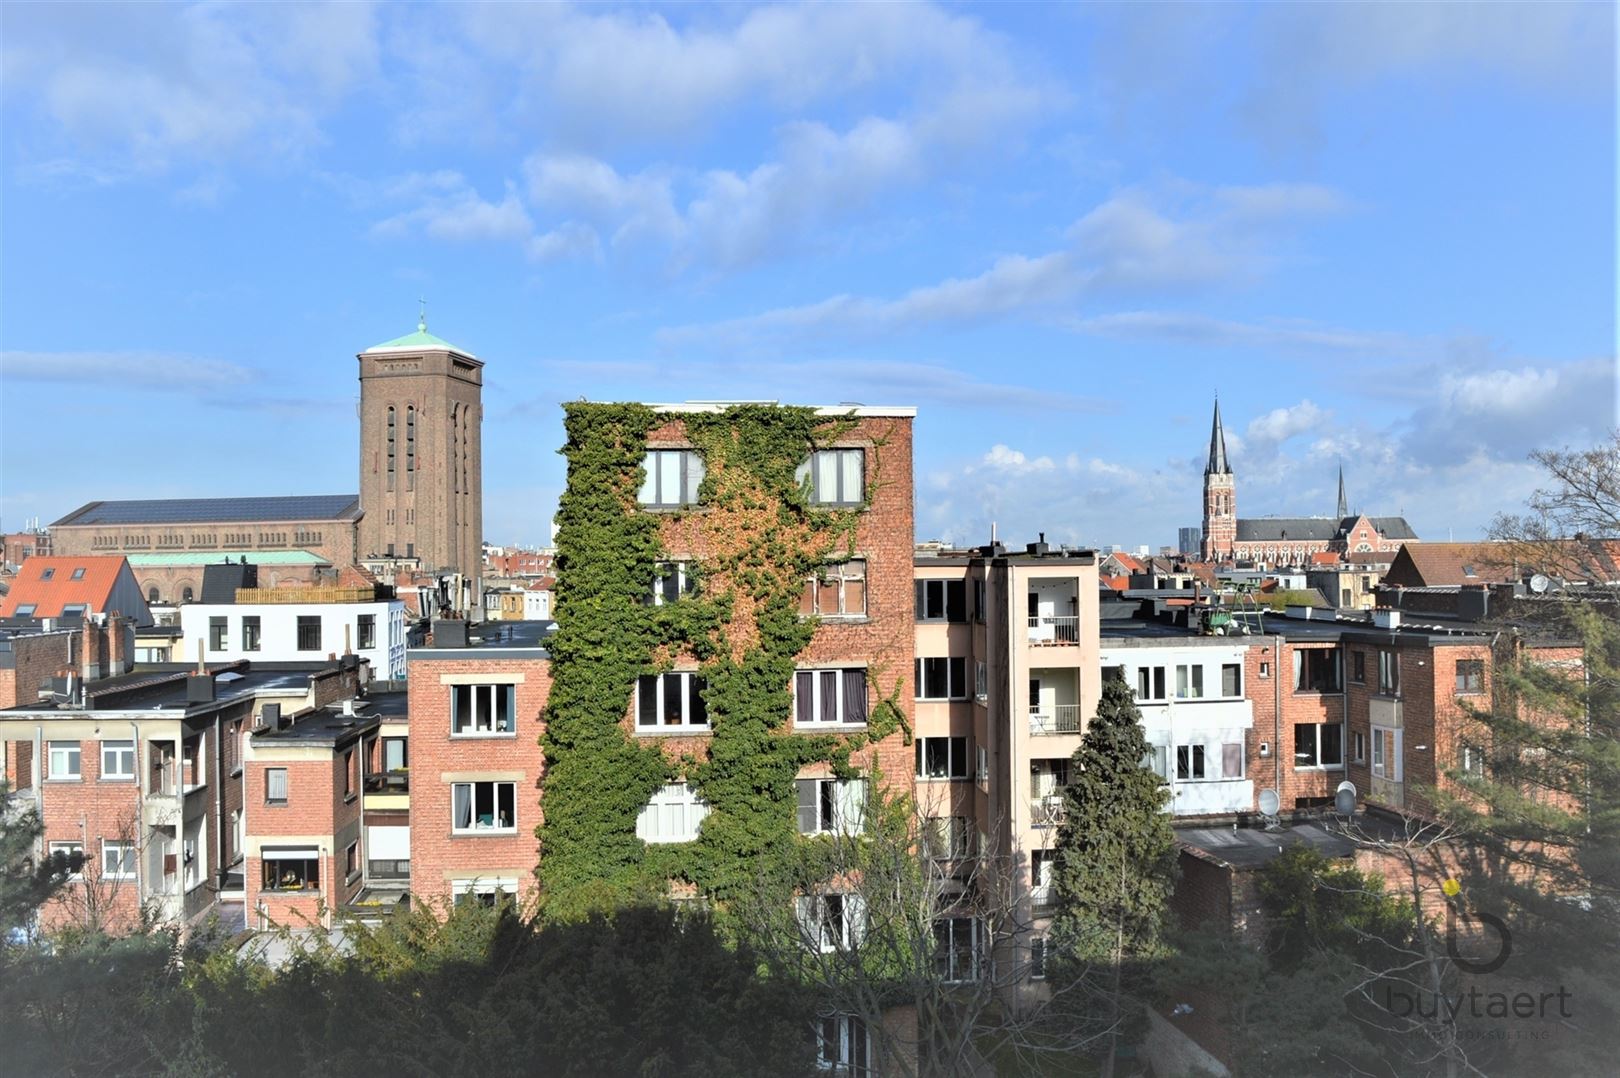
(1276, 713)
(140, 816)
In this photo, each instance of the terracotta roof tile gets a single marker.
(49, 584)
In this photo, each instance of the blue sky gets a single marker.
(1385, 234)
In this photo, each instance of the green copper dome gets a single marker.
(420, 339)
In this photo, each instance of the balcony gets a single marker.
(379, 871)
(1046, 811)
(1043, 900)
(1055, 719)
(387, 790)
(1048, 630)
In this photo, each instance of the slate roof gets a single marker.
(216, 510)
(1450, 564)
(1276, 529)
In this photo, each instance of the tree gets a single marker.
(27, 880)
(1116, 855)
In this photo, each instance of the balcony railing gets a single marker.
(1054, 630)
(388, 782)
(1043, 899)
(1046, 811)
(1057, 719)
(388, 870)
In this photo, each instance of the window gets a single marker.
(837, 591)
(829, 697)
(70, 855)
(843, 1045)
(1470, 675)
(291, 869)
(941, 600)
(834, 476)
(483, 710)
(942, 757)
(394, 753)
(946, 838)
(275, 785)
(47, 574)
(1189, 762)
(117, 859)
(390, 448)
(978, 600)
(186, 594)
(1231, 679)
(410, 448)
(309, 632)
(74, 610)
(1189, 683)
(350, 780)
(1358, 667)
(1358, 746)
(152, 595)
(831, 806)
(674, 814)
(218, 634)
(483, 806)
(1037, 958)
(1471, 760)
(981, 681)
(1150, 683)
(665, 701)
(26, 610)
(486, 893)
(956, 948)
(1317, 670)
(366, 632)
(64, 760)
(118, 759)
(250, 632)
(1319, 744)
(941, 679)
(830, 922)
(351, 861)
(1157, 760)
(982, 772)
(1386, 753)
(671, 583)
(672, 478)
(1265, 669)
(1389, 673)
(77, 574)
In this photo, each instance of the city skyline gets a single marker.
(1384, 235)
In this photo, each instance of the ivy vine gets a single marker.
(761, 539)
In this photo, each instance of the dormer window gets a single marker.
(78, 574)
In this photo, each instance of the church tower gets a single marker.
(421, 460)
(1220, 497)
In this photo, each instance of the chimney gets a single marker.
(119, 651)
(1387, 619)
(347, 647)
(200, 685)
(270, 717)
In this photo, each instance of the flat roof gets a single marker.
(892, 411)
(162, 687)
(327, 725)
(221, 557)
(216, 510)
(491, 638)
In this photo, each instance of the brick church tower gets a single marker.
(421, 459)
(1220, 497)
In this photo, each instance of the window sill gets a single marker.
(673, 731)
(840, 619)
(65, 778)
(943, 778)
(1318, 767)
(275, 804)
(117, 778)
(833, 726)
(484, 832)
(289, 892)
(683, 507)
(496, 736)
(349, 799)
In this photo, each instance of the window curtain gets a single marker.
(804, 702)
(463, 805)
(854, 695)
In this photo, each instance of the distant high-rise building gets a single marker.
(421, 458)
(1190, 540)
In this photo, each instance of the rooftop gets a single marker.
(296, 507)
(327, 725)
(46, 586)
(162, 687)
(849, 409)
(207, 557)
(418, 341)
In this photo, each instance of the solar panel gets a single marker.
(216, 510)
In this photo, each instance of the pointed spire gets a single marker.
(1344, 509)
(1217, 446)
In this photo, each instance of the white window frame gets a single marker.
(269, 798)
(844, 1045)
(671, 571)
(831, 921)
(1386, 748)
(1192, 763)
(464, 890)
(674, 813)
(1358, 747)
(841, 574)
(473, 827)
(1229, 695)
(811, 476)
(68, 848)
(661, 689)
(116, 752)
(981, 680)
(948, 951)
(829, 806)
(117, 859)
(1189, 681)
(947, 838)
(1319, 764)
(65, 747)
(481, 713)
(1471, 759)
(1475, 665)
(1389, 672)
(1150, 679)
(689, 472)
(817, 679)
(956, 753)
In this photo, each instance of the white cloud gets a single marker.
(455, 212)
(1002, 459)
(1127, 243)
(138, 88)
(1283, 335)
(159, 371)
(1504, 413)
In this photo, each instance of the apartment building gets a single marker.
(301, 625)
(1007, 673)
(142, 772)
(475, 765)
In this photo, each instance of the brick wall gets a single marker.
(1278, 710)
(89, 811)
(438, 760)
(318, 813)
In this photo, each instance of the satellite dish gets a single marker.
(1344, 799)
(1269, 802)
(1539, 584)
